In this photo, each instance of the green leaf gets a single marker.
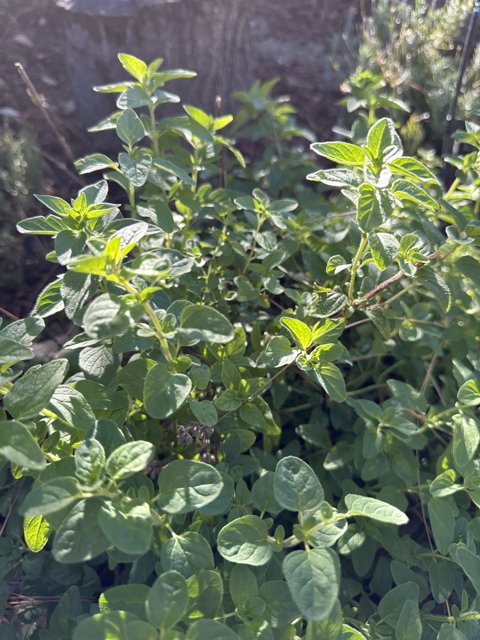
(336, 178)
(98, 363)
(251, 414)
(341, 152)
(130, 128)
(114, 625)
(229, 400)
(299, 331)
(277, 353)
(49, 300)
(136, 167)
(327, 331)
(128, 526)
(383, 141)
(280, 610)
(198, 322)
(173, 169)
(205, 591)
(93, 265)
(129, 458)
(159, 212)
(17, 445)
(132, 377)
(329, 628)
(55, 204)
(187, 485)
(245, 540)
(105, 319)
(349, 633)
(114, 87)
(32, 392)
(12, 351)
(409, 625)
(42, 225)
(204, 411)
(90, 463)
(211, 629)
(442, 521)
(449, 632)
(36, 531)
(222, 502)
(70, 406)
(313, 578)
(331, 379)
(469, 393)
(391, 605)
(444, 484)
(79, 537)
(412, 168)
(466, 438)
(326, 304)
(133, 98)
(326, 353)
(470, 267)
(165, 392)
(50, 497)
(370, 214)
(168, 599)
(23, 331)
(411, 192)
(94, 162)
(125, 597)
(67, 245)
(198, 115)
(242, 585)
(263, 494)
(434, 283)
(384, 248)
(470, 563)
(134, 66)
(374, 509)
(188, 554)
(297, 487)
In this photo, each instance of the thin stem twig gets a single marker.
(37, 100)
(389, 281)
(8, 314)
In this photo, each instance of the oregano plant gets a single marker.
(264, 422)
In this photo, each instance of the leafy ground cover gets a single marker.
(264, 423)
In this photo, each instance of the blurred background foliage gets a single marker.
(412, 50)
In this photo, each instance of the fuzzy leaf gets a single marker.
(375, 509)
(313, 579)
(245, 541)
(341, 152)
(297, 487)
(164, 391)
(187, 485)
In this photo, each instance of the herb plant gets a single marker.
(264, 423)
(416, 48)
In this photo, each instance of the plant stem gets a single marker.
(463, 617)
(355, 264)
(154, 320)
(260, 222)
(153, 132)
(453, 186)
(131, 200)
(158, 329)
